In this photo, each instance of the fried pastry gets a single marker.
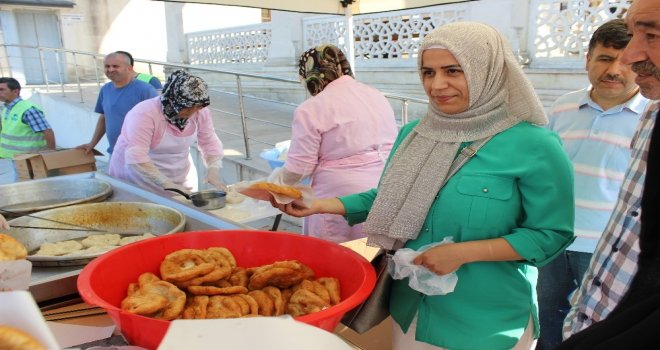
(157, 299)
(284, 190)
(304, 302)
(239, 277)
(278, 301)
(316, 288)
(185, 264)
(11, 249)
(281, 274)
(196, 307)
(222, 307)
(266, 305)
(332, 285)
(210, 290)
(221, 270)
(226, 253)
(253, 307)
(15, 339)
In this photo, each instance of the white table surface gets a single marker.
(251, 209)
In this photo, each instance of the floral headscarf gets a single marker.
(322, 65)
(183, 90)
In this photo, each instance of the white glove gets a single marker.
(281, 176)
(213, 177)
(149, 173)
(3, 223)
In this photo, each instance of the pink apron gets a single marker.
(339, 177)
(172, 158)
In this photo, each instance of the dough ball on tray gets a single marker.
(59, 248)
(101, 240)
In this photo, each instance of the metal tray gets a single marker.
(31, 196)
(113, 217)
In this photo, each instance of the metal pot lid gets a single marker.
(31, 196)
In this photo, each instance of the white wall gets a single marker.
(201, 17)
(140, 26)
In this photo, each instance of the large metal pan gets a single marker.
(116, 217)
(31, 196)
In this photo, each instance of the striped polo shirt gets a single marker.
(598, 143)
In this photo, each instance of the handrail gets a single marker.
(238, 76)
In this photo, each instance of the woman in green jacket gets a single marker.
(509, 209)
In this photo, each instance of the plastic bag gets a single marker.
(420, 278)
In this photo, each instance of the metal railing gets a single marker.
(84, 69)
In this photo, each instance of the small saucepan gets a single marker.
(208, 199)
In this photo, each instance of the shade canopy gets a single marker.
(347, 8)
(326, 6)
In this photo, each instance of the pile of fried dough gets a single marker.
(199, 284)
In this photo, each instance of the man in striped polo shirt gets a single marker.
(596, 125)
(23, 126)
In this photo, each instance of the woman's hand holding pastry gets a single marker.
(319, 206)
(292, 208)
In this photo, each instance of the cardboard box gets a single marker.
(53, 163)
(377, 338)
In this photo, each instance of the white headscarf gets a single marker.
(500, 96)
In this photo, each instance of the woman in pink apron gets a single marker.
(340, 138)
(153, 149)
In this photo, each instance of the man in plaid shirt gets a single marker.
(616, 260)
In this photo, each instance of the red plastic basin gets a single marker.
(103, 281)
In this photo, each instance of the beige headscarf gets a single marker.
(500, 96)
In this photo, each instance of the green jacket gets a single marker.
(17, 137)
(149, 79)
(519, 186)
(144, 77)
